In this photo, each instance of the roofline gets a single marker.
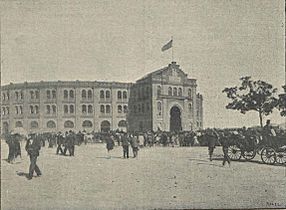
(60, 83)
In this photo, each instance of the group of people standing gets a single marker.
(125, 140)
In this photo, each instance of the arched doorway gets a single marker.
(105, 126)
(175, 119)
(122, 125)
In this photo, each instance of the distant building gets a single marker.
(165, 99)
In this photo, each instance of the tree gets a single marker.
(252, 95)
(282, 102)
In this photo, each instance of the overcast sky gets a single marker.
(215, 42)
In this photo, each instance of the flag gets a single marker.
(167, 46)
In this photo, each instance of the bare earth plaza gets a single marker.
(174, 104)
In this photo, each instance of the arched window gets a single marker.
(71, 94)
(7, 110)
(66, 109)
(159, 90)
(147, 91)
(54, 94)
(16, 110)
(90, 110)
(139, 94)
(8, 96)
(31, 109)
(190, 92)
(48, 109)
(83, 94)
(3, 96)
(107, 108)
(68, 124)
(147, 107)
(3, 111)
(54, 107)
(169, 91)
(36, 109)
(107, 94)
(5, 127)
(66, 94)
(20, 109)
(51, 124)
(21, 95)
(124, 94)
(101, 94)
(139, 108)
(190, 107)
(87, 124)
(37, 93)
(159, 106)
(71, 109)
(32, 94)
(122, 123)
(175, 93)
(180, 92)
(83, 109)
(135, 108)
(48, 94)
(102, 108)
(105, 126)
(119, 94)
(34, 124)
(125, 108)
(18, 124)
(119, 109)
(89, 94)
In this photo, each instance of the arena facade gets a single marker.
(165, 99)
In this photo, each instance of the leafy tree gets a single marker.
(252, 95)
(282, 102)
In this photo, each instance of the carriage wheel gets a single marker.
(249, 155)
(234, 152)
(281, 157)
(268, 155)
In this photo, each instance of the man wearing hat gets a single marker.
(33, 147)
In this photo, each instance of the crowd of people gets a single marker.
(66, 141)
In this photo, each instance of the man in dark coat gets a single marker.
(11, 146)
(60, 141)
(125, 145)
(69, 143)
(134, 145)
(109, 144)
(225, 145)
(212, 137)
(33, 147)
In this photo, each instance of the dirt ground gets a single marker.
(164, 178)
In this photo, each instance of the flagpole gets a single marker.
(172, 48)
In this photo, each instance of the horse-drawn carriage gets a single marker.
(271, 151)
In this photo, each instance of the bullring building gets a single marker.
(165, 99)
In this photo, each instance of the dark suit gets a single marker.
(33, 151)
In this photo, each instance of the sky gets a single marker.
(214, 41)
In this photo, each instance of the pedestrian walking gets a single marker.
(33, 147)
(125, 145)
(109, 145)
(134, 145)
(225, 145)
(60, 141)
(212, 137)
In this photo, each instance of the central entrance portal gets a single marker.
(175, 119)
